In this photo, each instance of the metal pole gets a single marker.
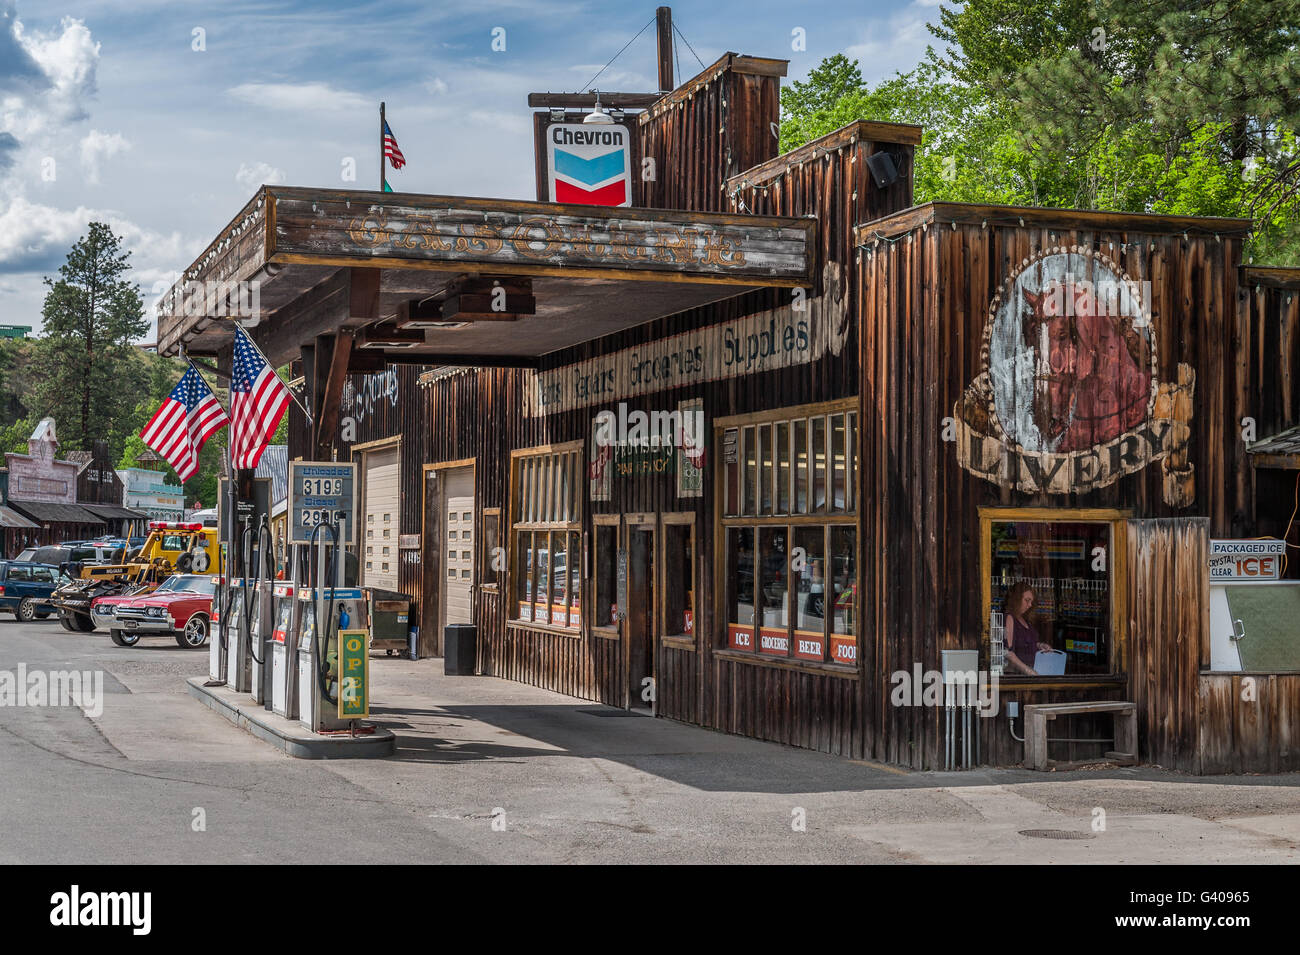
(383, 173)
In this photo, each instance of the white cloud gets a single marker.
(250, 176)
(437, 86)
(96, 145)
(298, 96)
(35, 237)
(68, 57)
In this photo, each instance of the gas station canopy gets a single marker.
(454, 280)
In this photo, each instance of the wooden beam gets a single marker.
(588, 100)
(363, 294)
(664, 34)
(328, 423)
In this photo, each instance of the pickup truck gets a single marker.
(25, 588)
(181, 607)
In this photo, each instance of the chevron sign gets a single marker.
(589, 165)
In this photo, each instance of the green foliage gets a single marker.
(1125, 105)
(13, 437)
(86, 371)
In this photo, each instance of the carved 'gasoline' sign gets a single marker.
(1069, 399)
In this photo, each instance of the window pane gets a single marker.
(524, 574)
(560, 581)
(809, 569)
(819, 464)
(844, 588)
(541, 577)
(491, 532)
(1046, 593)
(837, 462)
(562, 494)
(740, 588)
(851, 456)
(731, 469)
(774, 565)
(606, 576)
(750, 458)
(783, 467)
(679, 587)
(575, 580)
(765, 469)
(801, 466)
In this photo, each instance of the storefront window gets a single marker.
(809, 568)
(774, 590)
(490, 563)
(1050, 596)
(740, 588)
(679, 580)
(546, 527)
(792, 581)
(606, 574)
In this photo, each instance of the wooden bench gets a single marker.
(1039, 716)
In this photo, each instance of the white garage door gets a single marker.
(458, 547)
(381, 518)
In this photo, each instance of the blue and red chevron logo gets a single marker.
(584, 170)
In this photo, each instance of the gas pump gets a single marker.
(325, 610)
(261, 620)
(217, 643)
(236, 636)
(284, 643)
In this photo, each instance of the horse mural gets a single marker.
(1069, 398)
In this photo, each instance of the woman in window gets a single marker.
(1023, 641)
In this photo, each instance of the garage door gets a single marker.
(382, 518)
(458, 546)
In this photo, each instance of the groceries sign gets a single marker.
(589, 165)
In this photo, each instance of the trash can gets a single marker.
(459, 648)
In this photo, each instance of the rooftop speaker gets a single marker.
(883, 170)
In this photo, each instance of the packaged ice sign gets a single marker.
(1246, 559)
(589, 165)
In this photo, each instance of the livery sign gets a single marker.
(589, 165)
(1069, 398)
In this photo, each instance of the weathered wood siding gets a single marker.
(928, 277)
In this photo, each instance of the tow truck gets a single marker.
(172, 547)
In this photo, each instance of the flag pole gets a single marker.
(383, 173)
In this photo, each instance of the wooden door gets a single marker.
(640, 617)
(459, 545)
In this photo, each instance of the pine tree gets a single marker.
(86, 372)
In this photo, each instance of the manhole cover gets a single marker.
(1055, 834)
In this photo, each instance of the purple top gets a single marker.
(1024, 640)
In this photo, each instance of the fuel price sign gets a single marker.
(322, 492)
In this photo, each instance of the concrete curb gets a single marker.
(289, 735)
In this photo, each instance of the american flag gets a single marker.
(190, 415)
(258, 400)
(391, 150)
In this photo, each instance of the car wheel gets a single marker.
(67, 621)
(26, 610)
(124, 639)
(83, 623)
(195, 633)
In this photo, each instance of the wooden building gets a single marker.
(755, 452)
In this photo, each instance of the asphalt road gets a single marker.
(492, 771)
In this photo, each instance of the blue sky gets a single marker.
(108, 110)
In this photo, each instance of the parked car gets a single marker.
(181, 606)
(25, 587)
(71, 556)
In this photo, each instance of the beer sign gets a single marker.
(1246, 559)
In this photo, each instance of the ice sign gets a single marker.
(322, 492)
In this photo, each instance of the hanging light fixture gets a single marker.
(598, 116)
